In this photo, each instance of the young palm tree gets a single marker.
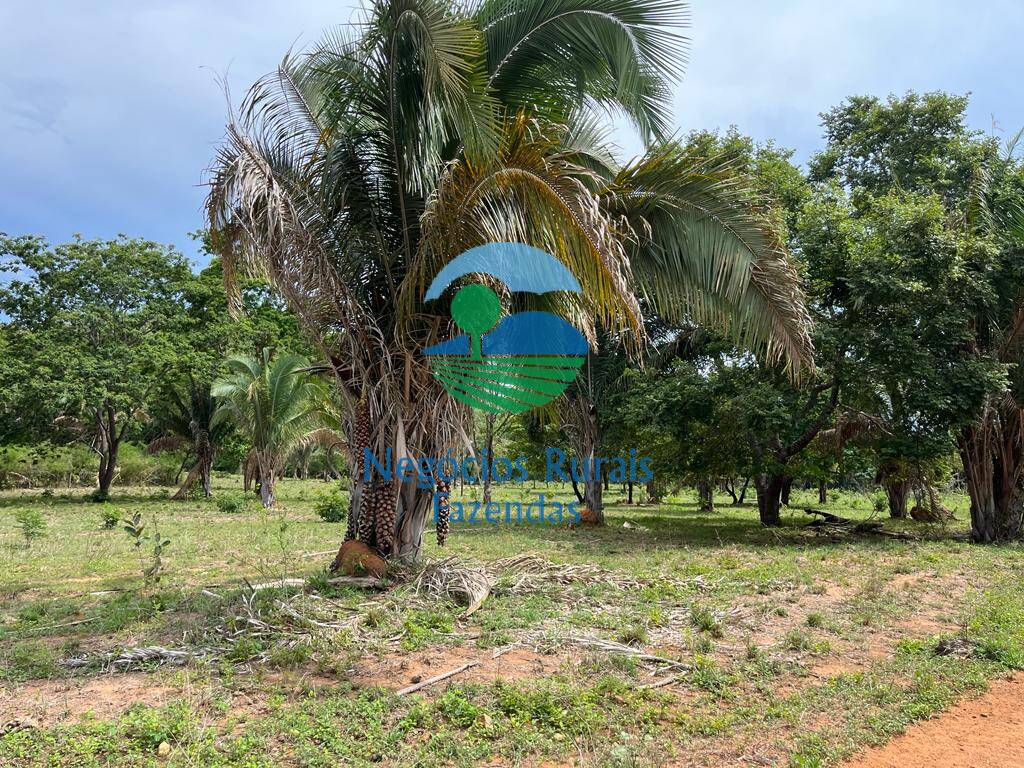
(357, 169)
(275, 403)
(187, 421)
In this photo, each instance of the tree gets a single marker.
(274, 402)
(93, 328)
(355, 171)
(921, 277)
(187, 419)
(991, 446)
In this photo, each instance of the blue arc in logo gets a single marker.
(520, 267)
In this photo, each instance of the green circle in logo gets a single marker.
(475, 309)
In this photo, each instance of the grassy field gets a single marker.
(724, 643)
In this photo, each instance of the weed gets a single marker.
(109, 517)
(231, 504)
(135, 528)
(31, 524)
(705, 620)
(331, 508)
(30, 659)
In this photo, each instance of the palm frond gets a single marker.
(702, 251)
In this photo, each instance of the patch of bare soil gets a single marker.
(53, 702)
(399, 670)
(983, 733)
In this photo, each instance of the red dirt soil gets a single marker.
(987, 732)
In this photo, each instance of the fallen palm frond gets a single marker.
(531, 570)
(464, 583)
(128, 657)
(621, 649)
(152, 654)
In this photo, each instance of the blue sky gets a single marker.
(110, 110)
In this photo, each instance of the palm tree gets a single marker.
(186, 419)
(275, 403)
(357, 169)
(992, 446)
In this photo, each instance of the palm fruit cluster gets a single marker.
(376, 524)
(384, 515)
(444, 490)
(358, 523)
(362, 433)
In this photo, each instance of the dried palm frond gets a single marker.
(449, 578)
(167, 443)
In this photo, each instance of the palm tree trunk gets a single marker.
(896, 492)
(593, 497)
(993, 464)
(414, 507)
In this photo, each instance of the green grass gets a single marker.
(803, 645)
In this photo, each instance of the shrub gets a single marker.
(332, 508)
(32, 466)
(31, 523)
(231, 505)
(109, 518)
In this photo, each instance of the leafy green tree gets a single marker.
(277, 403)
(93, 329)
(904, 278)
(354, 172)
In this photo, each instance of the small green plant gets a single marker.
(109, 518)
(231, 504)
(331, 508)
(704, 620)
(879, 503)
(31, 524)
(136, 530)
(815, 620)
(633, 635)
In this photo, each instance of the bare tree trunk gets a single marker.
(769, 498)
(730, 487)
(787, 489)
(629, 490)
(108, 443)
(706, 494)
(743, 491)
(822, 492)
(489, 456)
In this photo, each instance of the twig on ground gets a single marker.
(438, 678)
(658, 683)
